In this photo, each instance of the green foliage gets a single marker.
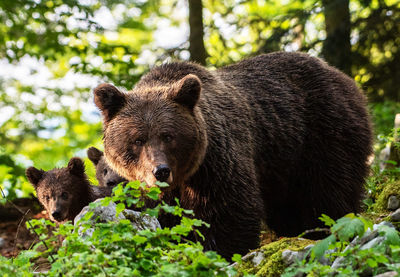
(237, 29)
(117, 249)
(48, 119)
(383, 115)
(20, 266)
(343, 247)
(47, 122)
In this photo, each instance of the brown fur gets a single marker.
(281, 137)
(65, 191)
(105, 175)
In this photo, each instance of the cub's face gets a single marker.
(58, 189)
(55, 198)
(153, 133)
(105, 175)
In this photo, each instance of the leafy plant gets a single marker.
(118, 249)
(350, 257)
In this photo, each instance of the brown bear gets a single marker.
(280, 137)
(104, 173)
(65, 191)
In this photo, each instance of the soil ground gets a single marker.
(13, 230)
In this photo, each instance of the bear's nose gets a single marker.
(162, 172)
(56, 215)
(111, 183)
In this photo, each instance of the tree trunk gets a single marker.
(336, 48)
(196, 37)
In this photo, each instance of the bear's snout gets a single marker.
(162, 172)
(56, 215)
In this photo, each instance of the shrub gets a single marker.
(117, 249)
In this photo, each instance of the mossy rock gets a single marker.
(272, 263)
(390, 189)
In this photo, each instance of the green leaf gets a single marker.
(348, 227)
(162, 184)
(119, 208)
(391, 234)
(139, 239)
(326, 220)
(372, 263)
(153, 193)
(237, 258)
(319, 249)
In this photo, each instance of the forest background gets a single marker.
(53, 53)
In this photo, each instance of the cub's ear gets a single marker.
(187, 91)
(109, 100)
(76, 167)
(94, 155)
(34, 175)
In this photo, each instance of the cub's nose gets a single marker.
(162, 172)
(111, 183)
(56, 215)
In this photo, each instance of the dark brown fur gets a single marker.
(105, 175)
(65, 191)
(281, 137)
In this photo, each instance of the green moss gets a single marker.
(390, 189)
(272, 263)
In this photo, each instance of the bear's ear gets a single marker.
(34, 175)
(76, 167)
(109, 100)
(187, 91)
(94, 155)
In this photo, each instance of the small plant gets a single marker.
(344, 254)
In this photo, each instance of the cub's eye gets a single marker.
(167, 138)
(105, 171)
(47, 198)
(64, 195)
(139, 142)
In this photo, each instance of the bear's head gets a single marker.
(62, 191)
(155, 132)
(106, 176)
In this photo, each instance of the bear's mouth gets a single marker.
(58, 217)
(151, 181)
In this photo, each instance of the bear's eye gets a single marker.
(105, 171)
(64, 195)
(166, 138)
(47, 198)
(139, 142)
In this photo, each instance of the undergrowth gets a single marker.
(116, 248)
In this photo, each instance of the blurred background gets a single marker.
(53, 53)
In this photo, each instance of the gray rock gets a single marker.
(104, 214)
(338, 262)
(388, 274)
(386, 223)
(368, 236)
(393, 203)
(250, 255)
(374, 242)
(2, 242)
(384, 157)
(141, 221)
(395, 216)
(108, 213)
(258, 258)
(289, 256)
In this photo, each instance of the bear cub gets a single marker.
(65, 191)
(104, 174)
